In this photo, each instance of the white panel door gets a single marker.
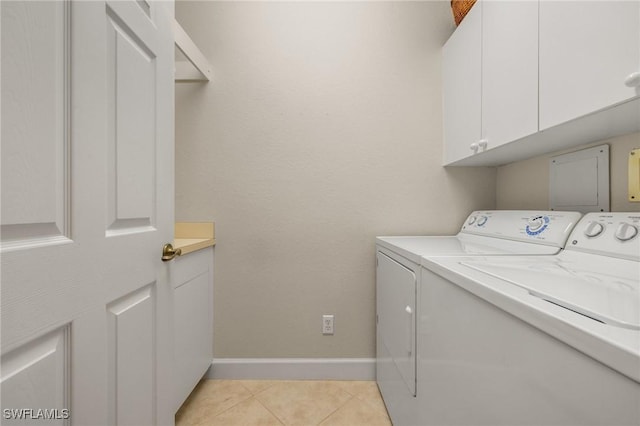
(587, 51)
(87, 203)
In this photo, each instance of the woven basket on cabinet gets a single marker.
(460, 9)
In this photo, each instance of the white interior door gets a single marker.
(87, 203)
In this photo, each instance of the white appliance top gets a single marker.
(587, 296)
(604, 289)
(496, 232)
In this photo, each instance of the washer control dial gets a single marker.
(482, 220)
(472, 220)
(537, 224)
(593, 229)
(626, 231)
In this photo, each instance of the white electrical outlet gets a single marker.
(327, 324)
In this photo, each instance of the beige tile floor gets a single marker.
(289, 403)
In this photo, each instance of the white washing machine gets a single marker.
(398, 287)
(535, 339)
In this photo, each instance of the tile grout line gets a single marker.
(351, 396)
(255, 396)
(241, 383)
(271, 412)
(334, 411)
(237, 403)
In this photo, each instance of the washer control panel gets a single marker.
(537, 224)
(613, 234)
(542, 227)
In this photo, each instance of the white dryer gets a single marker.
(484, 233)
(535, 339)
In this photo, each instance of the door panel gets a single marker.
(35, 146)
(131, 347)
(37, 375)
(132, 115)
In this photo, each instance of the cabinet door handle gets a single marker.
(483, 144)
(633, 79)
(474, 147)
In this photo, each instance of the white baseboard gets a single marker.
(293, 369)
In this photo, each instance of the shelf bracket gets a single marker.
(185, 69)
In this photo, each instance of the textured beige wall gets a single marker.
(321, 130)
(525, 184)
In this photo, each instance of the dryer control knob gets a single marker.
(535, 223)
(482, 220)
(593, 229)
(626, 231)
(472, 220)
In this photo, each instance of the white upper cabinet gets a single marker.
(461, 64)
(525, 78)
(587, 53)
(490, 78)
(509, 71)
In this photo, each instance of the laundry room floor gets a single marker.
(288, 403)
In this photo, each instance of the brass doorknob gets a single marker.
(168, 252)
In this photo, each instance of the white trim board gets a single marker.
(293, 369)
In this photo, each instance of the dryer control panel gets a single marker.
(540, 227)
(608, 234)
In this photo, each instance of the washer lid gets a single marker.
(603, 289)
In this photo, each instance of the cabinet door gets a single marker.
(587, 50)
(461, 67)
(509, 71)
(192, 277)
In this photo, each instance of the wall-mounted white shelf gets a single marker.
(196, 68)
